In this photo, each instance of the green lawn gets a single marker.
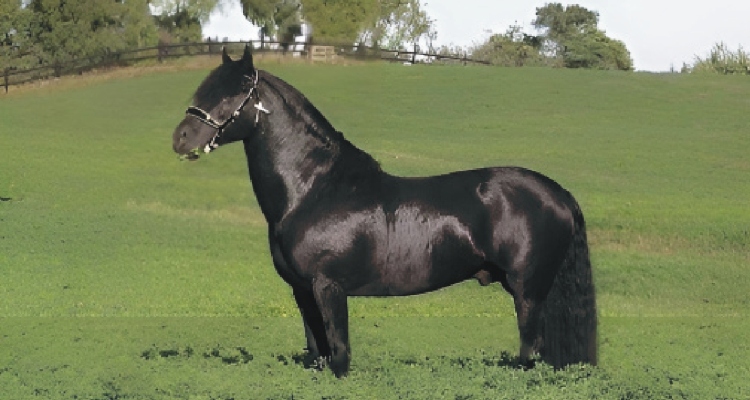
(127, 274)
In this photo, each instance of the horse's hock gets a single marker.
(322, 53)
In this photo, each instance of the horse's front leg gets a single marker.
(331, 301)
(317, 344)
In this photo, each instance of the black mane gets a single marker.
(354, 158)
(299, 105)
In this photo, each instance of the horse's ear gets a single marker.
(247, 59)
(224, 56)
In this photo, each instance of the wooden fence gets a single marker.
(316, 53)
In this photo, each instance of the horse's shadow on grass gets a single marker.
(241, 355)
(503, 360)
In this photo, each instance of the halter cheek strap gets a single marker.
(205, 117)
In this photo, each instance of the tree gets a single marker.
(198, 9)
(594, 49)
(67, 29)
(339, 21)
(571, 34)
(561, 22)
(182, 20)
(511, 49)
(391, 23)
(398, 23)
(15, 41)
(274, 17)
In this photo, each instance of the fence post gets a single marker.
(7, 70)
(414, 56)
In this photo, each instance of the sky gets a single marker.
(660, 34)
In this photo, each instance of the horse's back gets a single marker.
(495, 194)
(504, 213)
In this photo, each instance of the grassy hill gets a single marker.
(128, 273)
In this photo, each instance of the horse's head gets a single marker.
(224, 108)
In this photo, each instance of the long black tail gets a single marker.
(570, 313)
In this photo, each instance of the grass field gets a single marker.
(126, 274)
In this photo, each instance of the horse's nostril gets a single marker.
(184, 134)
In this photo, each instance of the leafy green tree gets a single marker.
(339, 21)
(387, 23)
(67, 29)
(511, 49)
(274, 17)
(137, 26)
(561, 22)
(198, 9)
(16, 46)
(571, 34)
(182, 20)
(399, 23)
(594, 49)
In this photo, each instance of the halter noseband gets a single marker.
(206, 118)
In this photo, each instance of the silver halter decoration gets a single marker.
(205, 117)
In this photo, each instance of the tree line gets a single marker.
(34, 32)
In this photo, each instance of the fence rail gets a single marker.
(325, 53)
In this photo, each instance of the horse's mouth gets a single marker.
(196, 153)
(192, 156)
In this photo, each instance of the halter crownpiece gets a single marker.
(205, 117)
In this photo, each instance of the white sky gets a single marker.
(658, 33)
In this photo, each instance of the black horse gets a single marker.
(339, 226)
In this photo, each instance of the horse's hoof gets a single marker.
(339, 363)
(527, 364)
(310, 359)
(340, 373)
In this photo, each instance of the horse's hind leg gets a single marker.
(530, 316)
(331, 301)
(317, 344)
(528, 310)
(529, 295)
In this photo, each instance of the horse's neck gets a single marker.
(285, 162)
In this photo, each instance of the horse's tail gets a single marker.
(570, 314)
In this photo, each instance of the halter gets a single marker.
(206, 118)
